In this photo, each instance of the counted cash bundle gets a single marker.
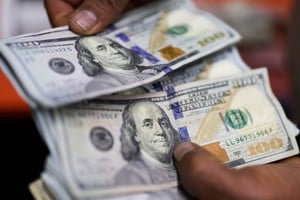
(57, 67)
(112, 106)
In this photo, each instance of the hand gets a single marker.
(87, 17)
(205, 177)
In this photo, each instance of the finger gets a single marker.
(205, 177)
(201, 174)
(59, 11)
(92, 16)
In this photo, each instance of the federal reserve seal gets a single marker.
(61, 66)
(101, 138)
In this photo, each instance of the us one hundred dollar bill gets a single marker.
(222, 63)
(121, 145)
(225, 62)
(56, 67)
(39, 190)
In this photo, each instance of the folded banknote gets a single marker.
(121, 145)
(56, 67)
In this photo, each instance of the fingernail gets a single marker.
(181, 149)
(85, 19)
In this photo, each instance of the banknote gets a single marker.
(225, 62)
(39, 190)
(56, 67)
(222, 63)
(120, 145)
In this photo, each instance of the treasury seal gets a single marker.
(101, 138)
(61, 66)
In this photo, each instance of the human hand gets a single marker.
(88, 17)
(205, 177)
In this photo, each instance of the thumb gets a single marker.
(201, 174)
(92, 16)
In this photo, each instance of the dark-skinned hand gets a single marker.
(205, 177)
(87, 17)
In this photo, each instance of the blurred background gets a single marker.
(264, 25)
(23, 149)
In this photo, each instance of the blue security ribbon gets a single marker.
(145, 54)
(122, 37)
(184, 134)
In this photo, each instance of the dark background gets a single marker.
(24, 154)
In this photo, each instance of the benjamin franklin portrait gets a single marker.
(147, 142)
(110, 63)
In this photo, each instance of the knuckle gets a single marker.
(109, 6)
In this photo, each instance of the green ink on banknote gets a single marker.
(178, 30)
(236, 118)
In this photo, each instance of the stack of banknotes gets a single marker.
(112, 106)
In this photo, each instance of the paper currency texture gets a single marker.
(123, 144)
(56, 67)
